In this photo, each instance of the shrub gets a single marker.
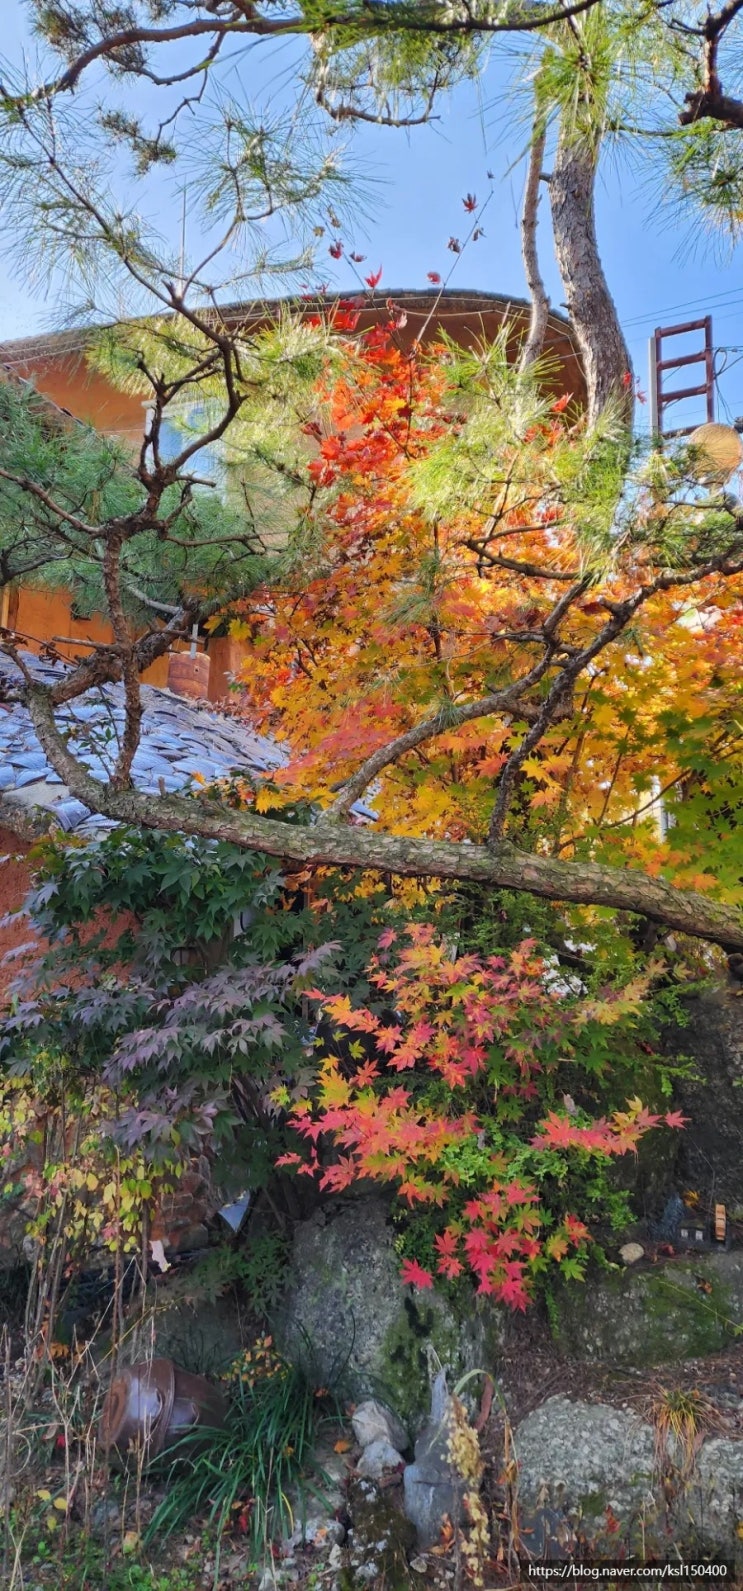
(486, 1132)
(241, 1477)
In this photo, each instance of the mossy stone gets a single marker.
(362, 1332)
(381, 1541)
(645, 1316)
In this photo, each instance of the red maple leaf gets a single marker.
(336, 249)
(560, 404)
(479, 1248)
(557, 1131)
(358, 259)
(511, 1290)
(413, 1274)
(366, 1074)
(374, 278)
(470, 203)
(576, 1230)
(345, 320)
(674, 1118)
(448, 1264)
(433, 276)
(388, 1040)
(341, 1175)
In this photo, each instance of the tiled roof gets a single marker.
(179, 739)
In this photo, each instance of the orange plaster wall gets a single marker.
(71, 384)
(41, 616)
(65, 377)
(226, 657)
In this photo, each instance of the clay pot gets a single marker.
(152, 1405)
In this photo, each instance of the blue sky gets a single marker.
(660, 269)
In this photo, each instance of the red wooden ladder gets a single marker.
(661, 397)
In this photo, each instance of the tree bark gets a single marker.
(340, 845)
(719, 107)
(606, 360)
(540, 303)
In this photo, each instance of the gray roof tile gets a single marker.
(179, 739)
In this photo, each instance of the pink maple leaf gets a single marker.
(674, 1118)
(413, 1274)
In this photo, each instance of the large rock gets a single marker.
(653, 1315)
(710, 1150)
(372, 1422)
(377, 1459)
(715, 1498)
(601, 1477)
(585, 1458)
(381, 1542)
(363, 1333)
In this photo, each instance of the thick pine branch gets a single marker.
(333, 844)
(370, 21)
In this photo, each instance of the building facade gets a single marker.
(56, 365)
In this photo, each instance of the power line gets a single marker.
(733, 294)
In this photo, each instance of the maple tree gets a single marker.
(479, 617)
(534, 803)
(469, 620)
(503, 1041)
(490, 617)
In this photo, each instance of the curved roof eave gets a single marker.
(438, 305)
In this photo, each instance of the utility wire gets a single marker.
(733, 294)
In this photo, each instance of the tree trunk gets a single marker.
(592, 311)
